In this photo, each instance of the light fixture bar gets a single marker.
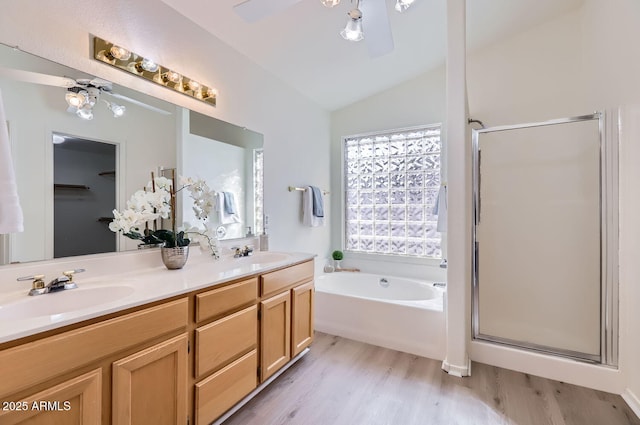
(133, 63)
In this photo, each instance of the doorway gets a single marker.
(84, 175)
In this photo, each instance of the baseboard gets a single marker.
(456, 370)
(632, 400)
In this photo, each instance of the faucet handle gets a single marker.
(69, 273)
(38, 280)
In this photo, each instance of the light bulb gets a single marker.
(330, 3)
(86, 113)
(402, 5)
(120, 53)
(173, 76)
(118, 110)
(75, 99)
(211, 93)
(105, 56)
(194, 85)
(353, 30)
(149, 65)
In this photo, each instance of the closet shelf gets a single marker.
(70, 186)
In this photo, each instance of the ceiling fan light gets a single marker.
(75, 99)
(330, 3)
(85, 112)
(402, 5)
(353, 30)
(118, 110)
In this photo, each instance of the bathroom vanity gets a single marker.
(183, 347)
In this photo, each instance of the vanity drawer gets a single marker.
(224, 340)
(219, 301)
(219, 392)
(274, 282)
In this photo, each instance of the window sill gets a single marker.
(389, 258)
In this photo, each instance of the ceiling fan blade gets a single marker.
(137, 102)
(254, 10)
(37, 78)
(376, 27)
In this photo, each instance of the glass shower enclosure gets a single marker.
(544, 238)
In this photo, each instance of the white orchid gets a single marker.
(156, 202)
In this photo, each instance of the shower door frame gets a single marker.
(608, 194)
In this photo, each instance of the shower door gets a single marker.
(539, 237)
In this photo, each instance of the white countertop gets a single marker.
(132, 278)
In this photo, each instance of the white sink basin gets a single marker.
(264, 258)
(62, 302)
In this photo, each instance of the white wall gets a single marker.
(296, 130)
(614, 64)
(575, 64)
(416, 102)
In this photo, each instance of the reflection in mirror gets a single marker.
(42, 102)
(84, 194)
(229, 159)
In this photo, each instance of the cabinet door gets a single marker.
(150, 386)
(301, 317)
(275, 334)
(76, 401)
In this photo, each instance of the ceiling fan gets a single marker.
(82, 94)
(379, 39)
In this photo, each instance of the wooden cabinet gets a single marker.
(150, 386)
(301, 317)
(220, 391)
(74, 401)
(191, 358)
(286, 324)
(226, 354)
(275, 334)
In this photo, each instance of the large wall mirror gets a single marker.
(75, 171)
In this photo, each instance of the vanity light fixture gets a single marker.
(133, 63)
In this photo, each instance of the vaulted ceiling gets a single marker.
(301, 46)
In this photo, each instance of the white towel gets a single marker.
(440, 209)
(308, 219)
(225, 218)
(11, 219)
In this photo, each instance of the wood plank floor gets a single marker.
(347, 382)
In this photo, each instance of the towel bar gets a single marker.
(302, 189)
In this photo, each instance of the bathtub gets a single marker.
(401, 314)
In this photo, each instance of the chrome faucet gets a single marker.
(58, 284)
(242, 252)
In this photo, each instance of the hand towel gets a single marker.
(440, 209)
(308, 219)
(318, 204)
(229, 203)
(11, 219)
(225, 217)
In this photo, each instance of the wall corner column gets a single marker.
(458, 306)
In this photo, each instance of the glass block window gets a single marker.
(258, 190)
(392, 180)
